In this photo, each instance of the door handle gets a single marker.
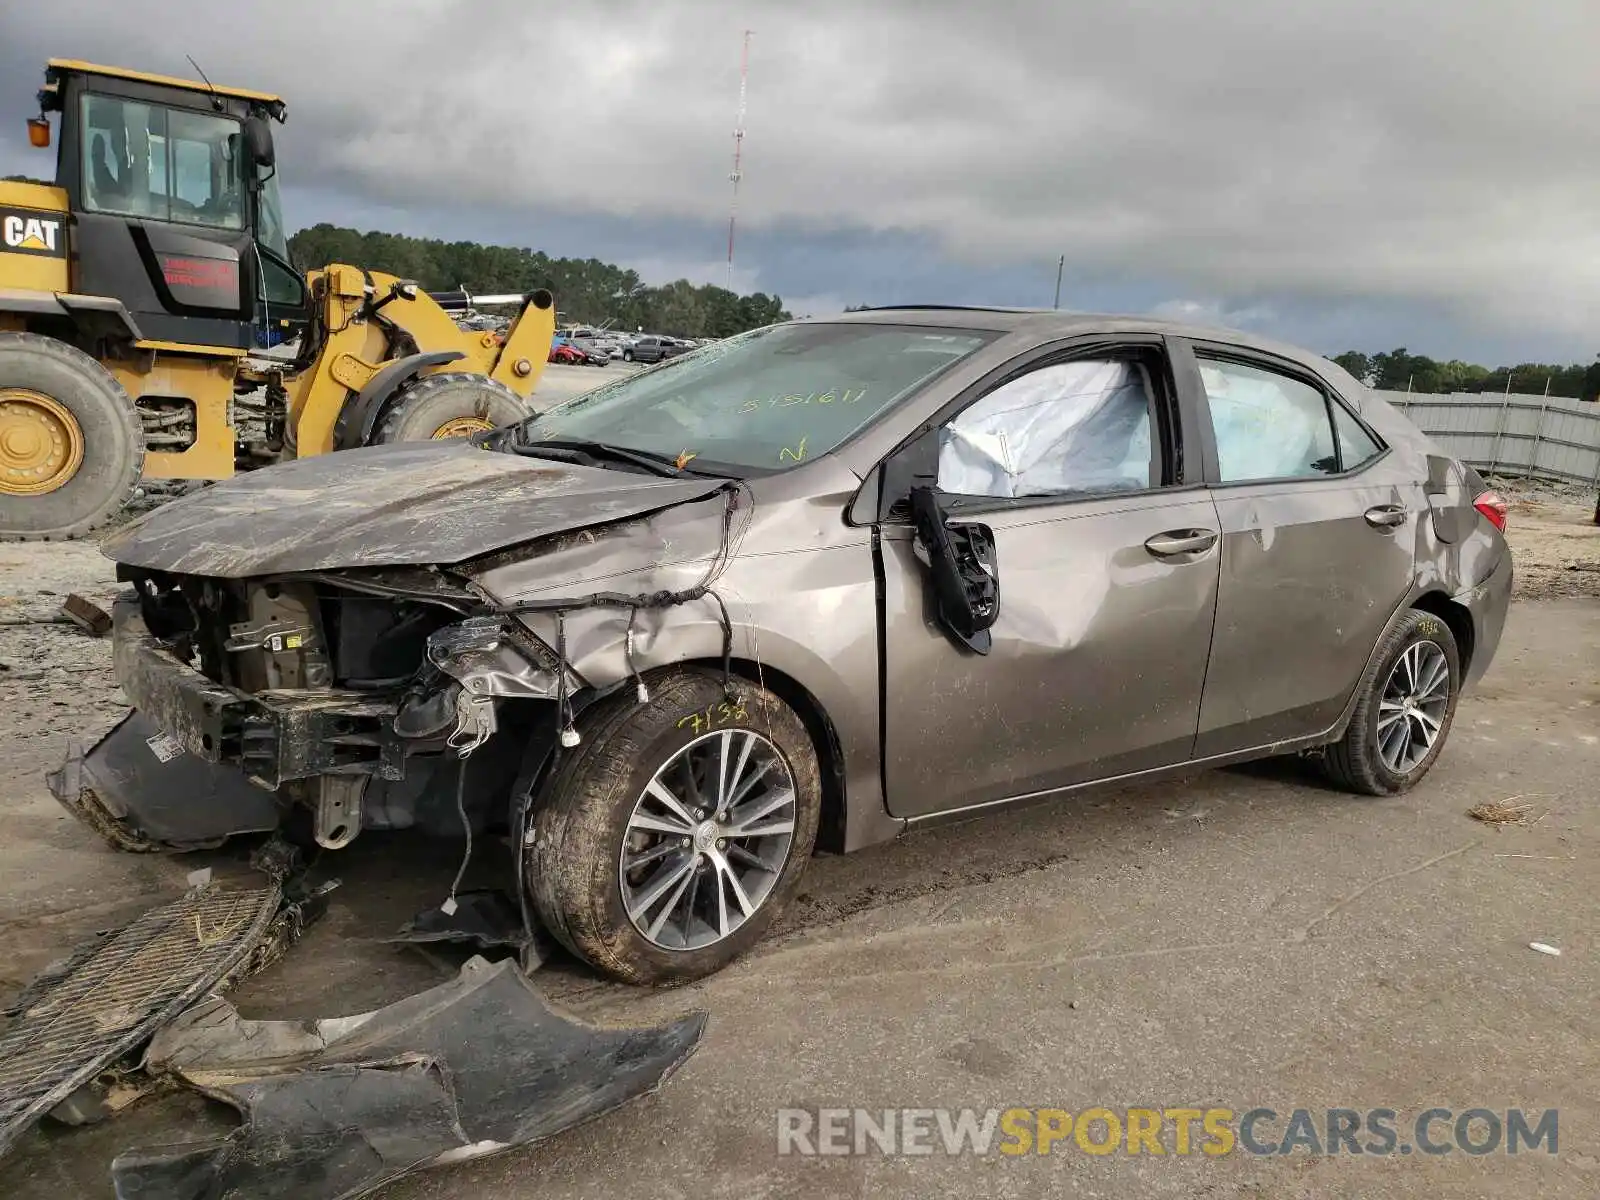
(1181, 541)
(1386, 516)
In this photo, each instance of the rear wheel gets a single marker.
(670, 839)
(447, 405)
(71, 446)
(1406, 708)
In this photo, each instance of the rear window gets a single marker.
(766, 400)
(1356, 445)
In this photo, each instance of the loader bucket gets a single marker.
(336, 1108)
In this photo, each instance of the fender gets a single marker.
(98, 316)
(359, 417)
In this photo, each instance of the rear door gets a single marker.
(1318, 527)
(1107, 563)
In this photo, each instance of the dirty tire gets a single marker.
(113, 440)
(428, 404)
(627, 356)
(581, 816)
(1354, 762)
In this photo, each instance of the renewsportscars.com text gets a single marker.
(1180, 1131)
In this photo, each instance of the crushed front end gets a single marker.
(355, 698)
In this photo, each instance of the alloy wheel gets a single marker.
(1412, 710)
(707, 840)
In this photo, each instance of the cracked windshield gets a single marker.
(765, 400)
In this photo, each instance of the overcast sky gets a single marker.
(1342, 173)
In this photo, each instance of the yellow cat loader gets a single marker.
(144, 294)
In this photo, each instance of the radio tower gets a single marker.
(738, 145)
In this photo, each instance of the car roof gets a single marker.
(1047, 324)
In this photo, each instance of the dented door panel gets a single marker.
(1307, 588)
(1096, 664)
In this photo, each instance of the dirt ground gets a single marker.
(1244, 938)
(1552, 531)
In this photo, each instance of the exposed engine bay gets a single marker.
(346, 701)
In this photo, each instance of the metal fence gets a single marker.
(1511, 434)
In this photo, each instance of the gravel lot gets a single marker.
(1243, 938)
(561, 382)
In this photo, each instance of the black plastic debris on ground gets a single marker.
(487, 919)
(335, 1108)
(112, 994)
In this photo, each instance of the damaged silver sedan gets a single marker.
(800, 590)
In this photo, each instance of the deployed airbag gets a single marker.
(1065, 429)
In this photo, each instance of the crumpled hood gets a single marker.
(410, 504)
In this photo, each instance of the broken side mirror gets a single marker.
(962, 568)
(258, 140)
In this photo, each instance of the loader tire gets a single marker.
(71, 444)
(449, 404)
(596, 817)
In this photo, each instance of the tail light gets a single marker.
(1492, 505)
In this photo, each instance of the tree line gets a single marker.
(587, 291)
(1399, 371)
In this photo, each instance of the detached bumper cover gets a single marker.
(273, 737)
(335, 1108)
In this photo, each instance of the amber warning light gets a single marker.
(38, 132)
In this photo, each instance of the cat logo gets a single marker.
(31, 234)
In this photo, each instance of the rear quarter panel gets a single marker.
(1459, 553)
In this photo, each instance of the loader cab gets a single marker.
(175, 204)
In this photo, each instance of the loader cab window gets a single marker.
(270, 231)
(281, 285)
(161, 164)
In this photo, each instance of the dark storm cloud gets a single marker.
(1275, 164)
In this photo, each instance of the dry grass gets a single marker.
(1500, 812)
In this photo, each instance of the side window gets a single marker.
(281, 286)
(147, 161)
(1356, 445)
(1267, 425)
(1070, 429)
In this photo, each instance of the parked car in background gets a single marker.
(566, 352)
(652, 348)
(600, 346)
(924, 564)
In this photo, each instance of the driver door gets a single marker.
(1107, 568)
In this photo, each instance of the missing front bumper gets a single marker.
(273, 737)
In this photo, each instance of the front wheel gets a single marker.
(627, 356)
(667, 843)
(447, 405)
(1407, 705)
